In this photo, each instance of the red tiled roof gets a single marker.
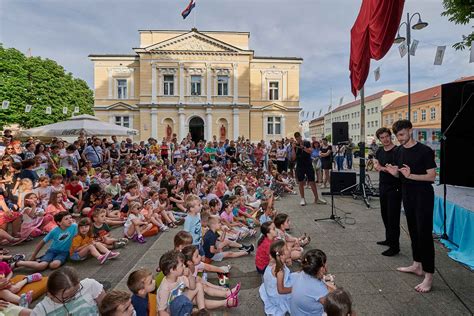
(369, 98)
(429, 94)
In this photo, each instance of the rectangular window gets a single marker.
(274, 125)
(121, 88)
(168, 85)
(376, 123)
(376, 109)
(122, 121)
(195, 85)
(423, 115)
(273, 90)
(415, 116)
(432, 114)
(222, 85)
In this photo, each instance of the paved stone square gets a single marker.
(353, 257)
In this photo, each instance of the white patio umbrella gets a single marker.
(88, 124)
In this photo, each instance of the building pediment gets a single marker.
(274, 107)
(191, 42)
(122, 106)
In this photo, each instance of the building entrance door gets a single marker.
(196, 128)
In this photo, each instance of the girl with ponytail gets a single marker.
(275, 291)
(262, 257)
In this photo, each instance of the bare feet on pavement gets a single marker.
(415, 268)
(425, 286)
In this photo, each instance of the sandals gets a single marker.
(235, 300)
(4, 251)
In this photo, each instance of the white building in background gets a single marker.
(350, 113)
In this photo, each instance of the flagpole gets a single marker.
(194, 17)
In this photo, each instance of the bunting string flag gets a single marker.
(341, 100)
(48, 110)
(402, 48)
(28, 108)
(439, 55)
(188, 9)
(5, 104)
(320, 111)
(377, 73)
(471, 59)
(64, 110)
(76, 109)
(413, 47)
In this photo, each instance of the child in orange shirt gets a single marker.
(83, 244)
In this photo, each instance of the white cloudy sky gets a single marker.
(316, 30)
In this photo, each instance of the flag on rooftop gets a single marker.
(188, 9)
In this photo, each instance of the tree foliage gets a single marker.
(460, 12)
(41, 83)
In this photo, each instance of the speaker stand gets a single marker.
(443, 153)
(333, 215)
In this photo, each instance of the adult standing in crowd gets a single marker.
(340, 154)
(390, 192)
(304, 170)
(416, 168)
(316, 146)
(326, 162)
(94, 153)
(349, 153)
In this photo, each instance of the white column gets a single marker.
(132, 83)
(262, 72)
(209, 82)
(283, 129)
(153, 83)
(208, 124)
(181, 83)
(154, 123)
(284, 79)
(235, 116)
(111, 81)
(182, 124)
(236, 83)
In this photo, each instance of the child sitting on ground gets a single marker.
(8, 291)
(61, 237)
(132, 195)
(136, 224)
(117, 303)
(309, 286)
(214, 244)
(163, 207)
(262, 257)
(69, 296)
(83, 244)
(195, 265)
(338, 303)
(101, 231)
(295, 245)
(140, 283)
(178, 281)
(227, 217)
(33, 218)
(276, 286)
(153, 217)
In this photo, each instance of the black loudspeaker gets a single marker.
(340, 132)
(341, 180)
(457, 167)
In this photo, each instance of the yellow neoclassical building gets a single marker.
(204, 83)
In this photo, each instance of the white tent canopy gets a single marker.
(87, 124)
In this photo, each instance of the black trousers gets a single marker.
(418, 202)
(390, 206)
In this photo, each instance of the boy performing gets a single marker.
(416, 168)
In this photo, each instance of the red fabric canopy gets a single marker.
(372, 36)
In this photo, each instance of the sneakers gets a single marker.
(382, 243)
(164, 228)
(321, 201)
(104, 257)
(303, 202)
(15, 258)
(113, 254)
(249, 248)
(26, 299)
(35, 277)
(119, 244)
(140, 239)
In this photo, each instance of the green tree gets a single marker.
(460, 12)
(40, 83)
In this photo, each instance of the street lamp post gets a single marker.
(399, 39)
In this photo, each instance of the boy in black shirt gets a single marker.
(416, 168)
(390, 192)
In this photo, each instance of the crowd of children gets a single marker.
(76, 194)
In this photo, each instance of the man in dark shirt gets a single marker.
(231, 152)
(301, 152)
(390, 192)
(416, 168)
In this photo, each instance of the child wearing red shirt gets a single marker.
(262, 257)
